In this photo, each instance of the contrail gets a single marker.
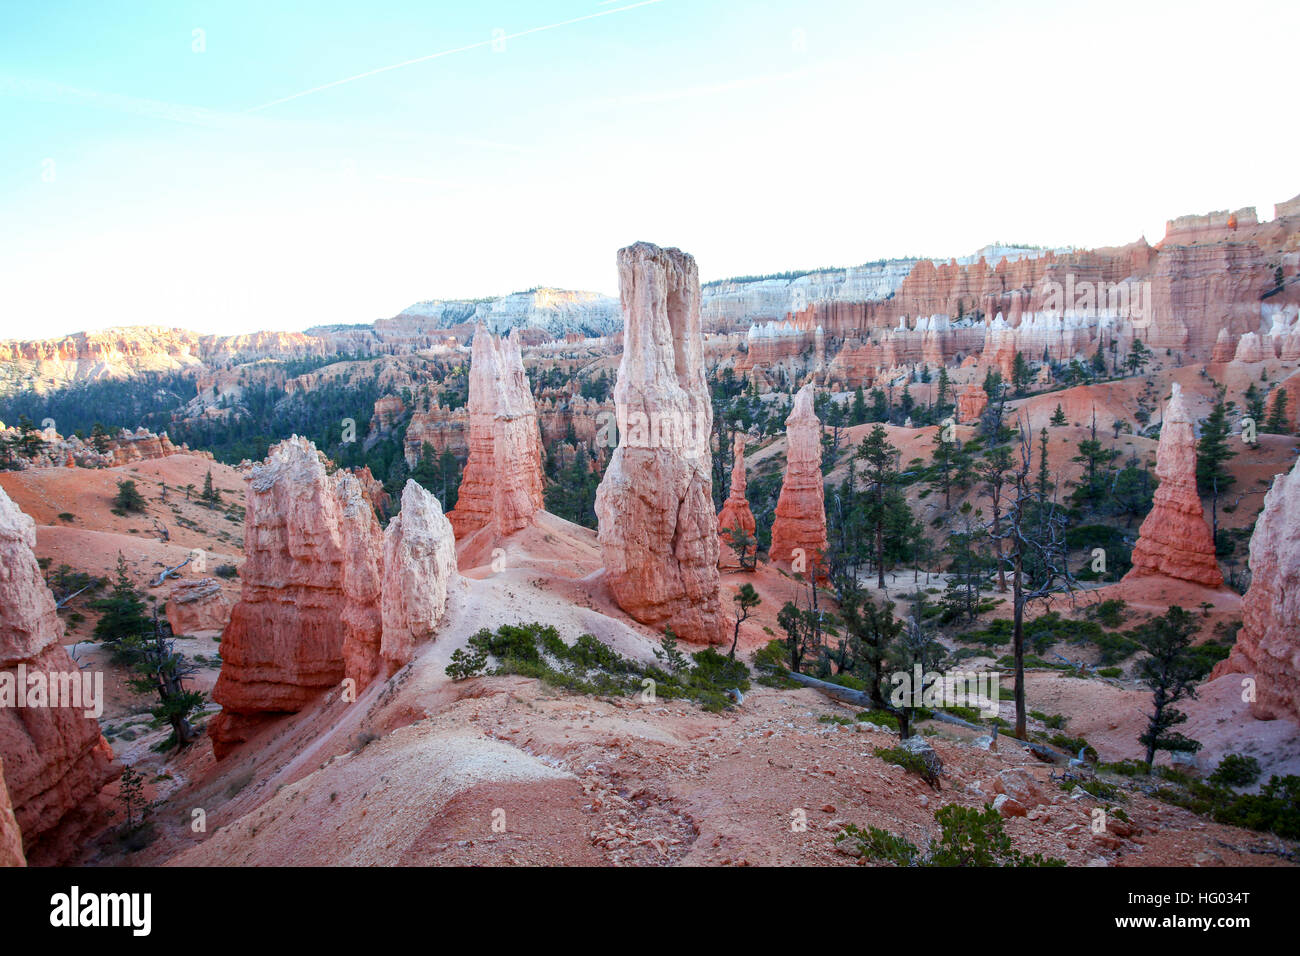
(459, 49)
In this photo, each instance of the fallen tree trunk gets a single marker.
(169, 572)
(860, 699)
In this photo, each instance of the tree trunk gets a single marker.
(1018, 642)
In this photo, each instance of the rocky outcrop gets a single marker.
(735, 512)
(1224, 347)
(11, 838)
(419, 566)
(55, 759)
(1268, 644)
(1249, 349)
(1175, 540)
(308, 613)
(657, 528)
(799, 529)
(502, 482)
(439, 427)
(362, 543)
(197, 604)
(971, 402)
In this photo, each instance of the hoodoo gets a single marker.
(419, 564)
(799, 529)
(735, 511)
(55, 759)
(308, 613)
(502, 481)
(1175, 540)
(657, 528)
(1268, 644)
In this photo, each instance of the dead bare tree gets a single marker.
(1035, 556)
(168, 572)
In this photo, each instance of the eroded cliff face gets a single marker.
(1211, 282)
(1268, 644)
(799, 528)
(308, 613)
(657, 528)
(501, 485)
(419, 568)
(1175, 540)
(55, 759)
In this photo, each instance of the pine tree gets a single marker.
(128, 497)
(123, 611)
(1171, 673)
(746, 599)
(877, 456)
(1058, 416)
(1021, 375)
(859, 414)
(210, 494)
(1213, 452)
(1277, 424)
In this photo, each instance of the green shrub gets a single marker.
(1236, 770)
(968, 837)
(882, 718)
(589, 667)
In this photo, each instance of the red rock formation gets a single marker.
(419, 565)
(799, 529)
(362, 543)
(388, 409)
(502, 482)
(971, 402)
(197, 604)
(657, 528)
(374, 491)
(442, 428)
(55, 760)
(1249, 349)
(11, 838)
(1175, 540)
(1224, 347)
(735, 511)
(308, 613)
(1268, 644)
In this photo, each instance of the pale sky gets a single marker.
(152, 174)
